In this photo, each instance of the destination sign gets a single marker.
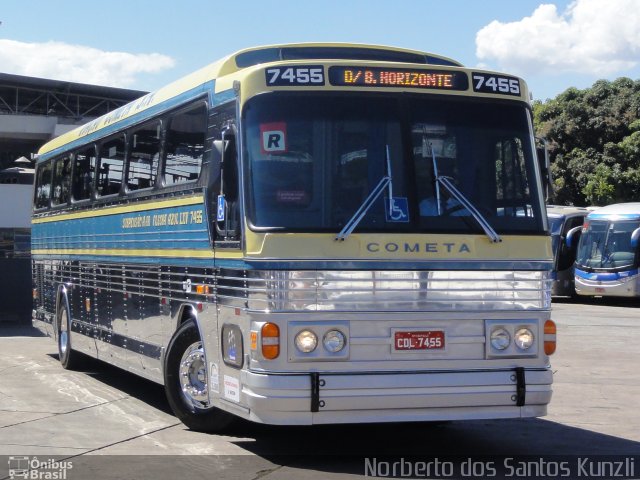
(398, 77)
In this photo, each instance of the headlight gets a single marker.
(500, 338)
(334, 341)
(523, 338)
(306, 341)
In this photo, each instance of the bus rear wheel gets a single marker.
(186, 382)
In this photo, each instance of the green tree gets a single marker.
(594, 142)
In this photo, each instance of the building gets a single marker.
(32, 112)
(35, 110)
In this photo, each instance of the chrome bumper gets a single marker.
(394, 397)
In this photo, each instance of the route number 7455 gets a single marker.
(488, 83)
(307, 75)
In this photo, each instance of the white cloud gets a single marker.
(78, 63)
(597, 37)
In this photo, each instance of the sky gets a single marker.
(145, 44)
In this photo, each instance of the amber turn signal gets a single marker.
(549, 337)
(270, 334)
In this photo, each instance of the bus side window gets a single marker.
(184, 149)
(110, 169)
(43, 186)
(61, 181)
(83, 174)
(144, 156)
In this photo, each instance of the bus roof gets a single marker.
(628, 211)
(242, 60)
(562, 211)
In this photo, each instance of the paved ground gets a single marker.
(111, 424)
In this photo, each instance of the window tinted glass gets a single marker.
(185, 145)
(61, 181)
(83, 174)
(144, 148)
(111, 163)
(43, 186)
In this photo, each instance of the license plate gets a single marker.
(599, 289)
(425, 340)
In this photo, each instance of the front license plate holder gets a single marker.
(418, 341)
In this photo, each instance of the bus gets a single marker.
(562, 220)
(608, 256)
(306, 234)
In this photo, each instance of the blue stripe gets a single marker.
(614, 216)
(605, 276)
(156, 228)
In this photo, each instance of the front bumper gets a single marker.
(615, 284)
(320, 398)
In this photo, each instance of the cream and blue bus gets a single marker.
(608, 254)
(306, 234)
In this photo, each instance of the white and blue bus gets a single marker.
(608, 255)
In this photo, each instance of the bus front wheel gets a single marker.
(68, 357)
(186, 382)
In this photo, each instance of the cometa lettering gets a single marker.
(408, 247)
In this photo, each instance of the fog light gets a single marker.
(523, 338)
(306, 341)
(500, 338)
(334, 341)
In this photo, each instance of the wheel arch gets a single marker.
(186, 312)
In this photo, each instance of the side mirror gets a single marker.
(227, 215)
(635, 238)
(542, 154)
(573, 237)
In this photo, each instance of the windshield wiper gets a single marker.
(368, 202)
(447, 183)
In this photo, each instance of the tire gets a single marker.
(185, 382)
(69, 358)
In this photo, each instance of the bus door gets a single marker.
(566, 256)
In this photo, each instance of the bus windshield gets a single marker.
(313, 160)
(607, 245)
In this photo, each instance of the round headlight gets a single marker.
(500, 339)
(334, 341)
(523, 338)
(306, 341)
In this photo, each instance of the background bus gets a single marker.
(307, 234)
(562, 220)
(608, 255)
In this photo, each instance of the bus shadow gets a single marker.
(478, 437)
(132, 385)
(344, 448)
(15, 329)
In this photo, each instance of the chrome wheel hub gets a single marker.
(193, 376)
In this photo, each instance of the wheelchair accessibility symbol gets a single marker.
(397, 209)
